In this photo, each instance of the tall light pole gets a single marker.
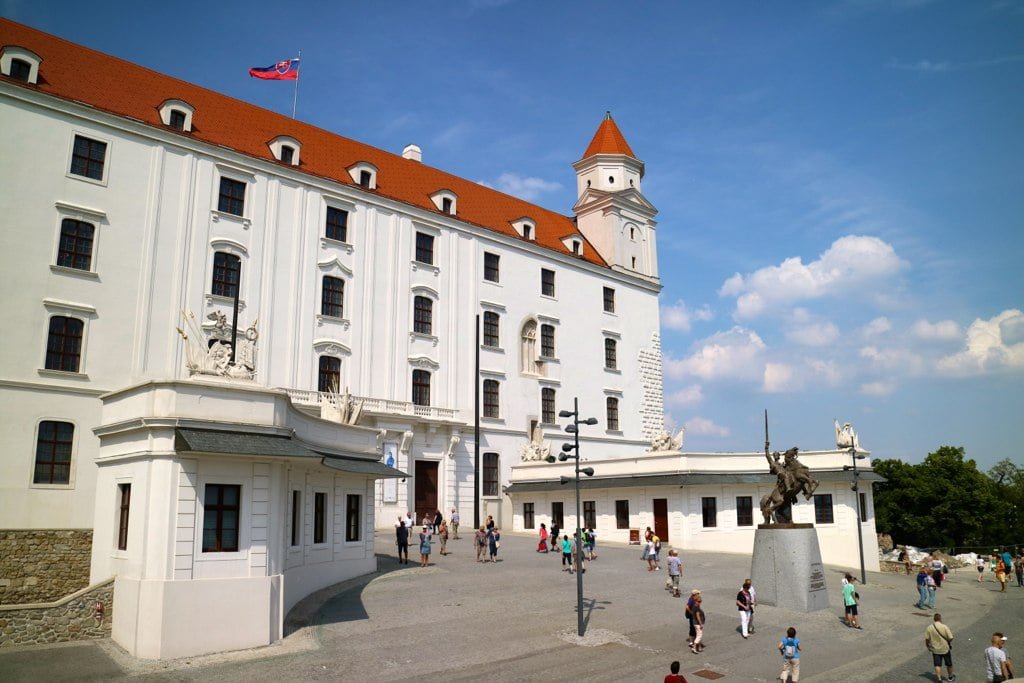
(855, 456)
(572, 450)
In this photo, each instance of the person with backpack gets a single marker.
(938, 638)
(789, 648)
(698, 624)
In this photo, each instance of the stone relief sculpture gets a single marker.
(535, 449)
(406, 443)
(791, 479)
(452, 443)
(338, 407)
(210, 354)
(845, 436)
(666, 442)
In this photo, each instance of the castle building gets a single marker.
(146, 440)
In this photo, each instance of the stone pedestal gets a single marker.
(786, 568)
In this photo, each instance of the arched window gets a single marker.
(64, 344)
(329, 377)
(491, 407)
(75, 250)
(610, 360)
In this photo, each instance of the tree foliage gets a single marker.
(946, 501)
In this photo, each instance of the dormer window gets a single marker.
(286, 149)
(445, 201)
(20, 64)
(574, 244)
(177, 114)
(526, 228)
(364, 174)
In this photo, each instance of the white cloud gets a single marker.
(777, 377)
(893, 359)
(944, 330)
(991, 345)
(528, 188)
(701, 426)
(877, 388)
(679, 317)
(877, 327)
(687, 396)
(853, 261)
(737, 354)
(822, 333)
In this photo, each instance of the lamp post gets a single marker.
(855, 456)
(572, 450)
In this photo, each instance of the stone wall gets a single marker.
(43, 565)
(71, 618)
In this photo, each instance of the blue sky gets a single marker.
(840, 184)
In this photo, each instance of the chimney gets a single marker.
(412, 152)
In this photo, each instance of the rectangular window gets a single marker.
(64, 344)
(296, 517)
(589, 514)
(423, 315)
(490, 480)
(421, 387)
(547, 282)
(287, 154)
(491, 408)
(558, 514)
(491, 270)
(177, 119)
(609, 300)
(547, 405)
(221, 507)
(232, 197)
(75, 250)
(622, 514)
(744, 511)
(227, 273)
(336, 227)
(425, 248)
(491, 329)
(863, 507)
(612, 404)
(353, 517)
(823, 509)
(20, 70)
(329, 377)
(53, 452)
(610, 354)
(547, 341)
(319, 517)
(447, 206)
(125, 494)
(709, 512)
(332, 297)
(528, 522)
(366, 179)
(88, 157)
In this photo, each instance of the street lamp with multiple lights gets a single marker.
(855, 456)
(572, 450)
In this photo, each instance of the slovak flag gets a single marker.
(288, 70)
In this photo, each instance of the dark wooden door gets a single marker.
(426, 489)
(557, 515)
(661, 518)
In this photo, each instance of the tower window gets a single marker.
(547, 405)
(547, 341)
(53, 452)
(547, 282)
(329, 377)
(232, 197)
(423, 315)
(336, 227)
(64, 344)
(491, 329)
(420, 388)
(227, 272)
(491, 398)
(425, 248)
(332, 297)
(88, 158)
(75, 250)
(610, 352)
(613, 413)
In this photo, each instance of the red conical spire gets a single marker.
(608, 140)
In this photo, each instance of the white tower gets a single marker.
(611, 211)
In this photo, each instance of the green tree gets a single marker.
(1008, 520)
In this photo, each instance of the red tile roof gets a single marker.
(77, 73)
(608, 140)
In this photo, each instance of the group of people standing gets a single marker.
(564, 546)
(432, 524)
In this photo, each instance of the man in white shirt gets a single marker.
(998, 666)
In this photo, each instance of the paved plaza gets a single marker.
(515, 620)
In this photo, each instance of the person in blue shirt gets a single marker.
(789, 648)
(922, 589)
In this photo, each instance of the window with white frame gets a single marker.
(329, 375)
(336, 224)
(547, 405)
(54, 447)
(492, 337)
(74, 249)
(547, 341)
(227, 274)
(332, 297)
(231, 196)
(609, 300)
(124, 495)
(424, 248)
(319, 517)
(492, 263)
(296, 535)
(89, 158)
(610, 354)
(353, 518)
(612, 408)
(423, 315)
(491, 398)
(222, 505)
(177, 114)
(421, 387)
(64, 343)
(490, 475)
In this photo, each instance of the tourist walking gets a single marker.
(744, 607)
(425, 546)
(542, 547)
(690, 603)
(442, 534)
(1018, 567)
(698, 625)
(938, 638)
(674, 676)
(490, 522)
(402, 540)
(930, 591)
(566, 553)
(455, 523)
(493, 543)
(789, 648)
(649, 553)
(438, 518)
(1001, 577)
(936, 565)
(556, 542)
(922, 588)
(998, 667)
(592, 537)
(675, 570)
(410, 521)
(481, 544)
(753, 604)
(980, 564)
(851, 598)
(588, 543)
(657, 552)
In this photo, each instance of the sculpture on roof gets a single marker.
(210, 353)
(845, 436)
(338, 407)
(535, 449)
(666, 442)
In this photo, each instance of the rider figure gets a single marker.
(798, 477)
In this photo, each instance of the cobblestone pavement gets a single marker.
(515, 620)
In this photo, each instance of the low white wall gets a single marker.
(301, 581)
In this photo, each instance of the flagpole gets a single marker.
(295, 96)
